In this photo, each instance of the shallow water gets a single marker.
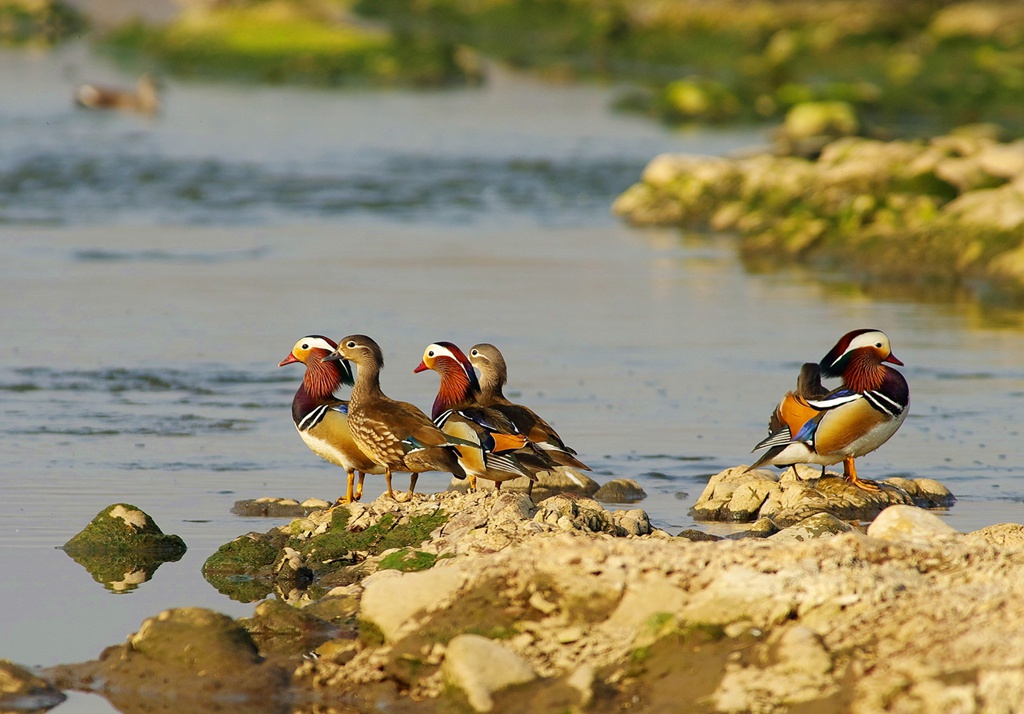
(153, 274)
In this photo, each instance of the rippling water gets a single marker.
(153, 274)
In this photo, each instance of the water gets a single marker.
(153, 274)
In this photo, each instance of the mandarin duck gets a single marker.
(144, 100)
(321, 418)
(498, 451)
(395, 435)
(493, 376)
(851, 421)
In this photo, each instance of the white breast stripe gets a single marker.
(883, 403)
(313, 418)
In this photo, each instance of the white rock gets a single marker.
(909, 523)
(391, 598)
(479, 667)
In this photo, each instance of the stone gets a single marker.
(273, 507)
(697, 536)
(123, 528)
(20, 690)
(122, 547)
(620, 490)
(909, 523)
(1000, 535)
(480, 667)
(820, 525)
(392, 598)
(634, 522)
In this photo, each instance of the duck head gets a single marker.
(856, 347)
(458, 380)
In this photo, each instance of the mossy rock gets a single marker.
(38, 21)
(123, 529)
(338, 543)
(122, 547)
(407, 560)
(288, 42)
(243, 568)
(245, 555)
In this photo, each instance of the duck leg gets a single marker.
(347, 498)
(412, 486)
(387, 478)
(359, 488)
(850, 474)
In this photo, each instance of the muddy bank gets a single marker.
(946, 212)
(562, 605)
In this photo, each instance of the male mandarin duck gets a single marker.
(851, 421)
(493, 376)
(321, 417)
(395, 435)
(497, 451)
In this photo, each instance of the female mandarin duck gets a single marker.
(395, 435)
(851, 421)
(493, 375)
(497, 451)
(321, 417)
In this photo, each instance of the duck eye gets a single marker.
(351, 344)
(430, 354)
(878, 344)
(473, 353)
(305, 346)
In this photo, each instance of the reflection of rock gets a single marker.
(186, 659)
(271, 507)
(122, 547)
(22, 691)
(743, 496)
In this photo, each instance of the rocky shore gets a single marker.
(948, 212)
(488, 601)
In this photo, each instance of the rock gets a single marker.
(740, 495)
(279, 628)
(925, 492)
(699, 98)
(809, 126)
(191, 656)
(123, 528)
(20, 690)
(820, 525)
(696, 536)
(480, 667)
(1002, 535)
(909, 523)
(631, 523)
(391, 598)
(620, 490)
(272, 507)
(243, 569)
(122, 547)
(761, 528)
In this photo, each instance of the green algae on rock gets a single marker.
(949, 211)
(283, 41)
(930, 65)
(122, 547)
(38, 22)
